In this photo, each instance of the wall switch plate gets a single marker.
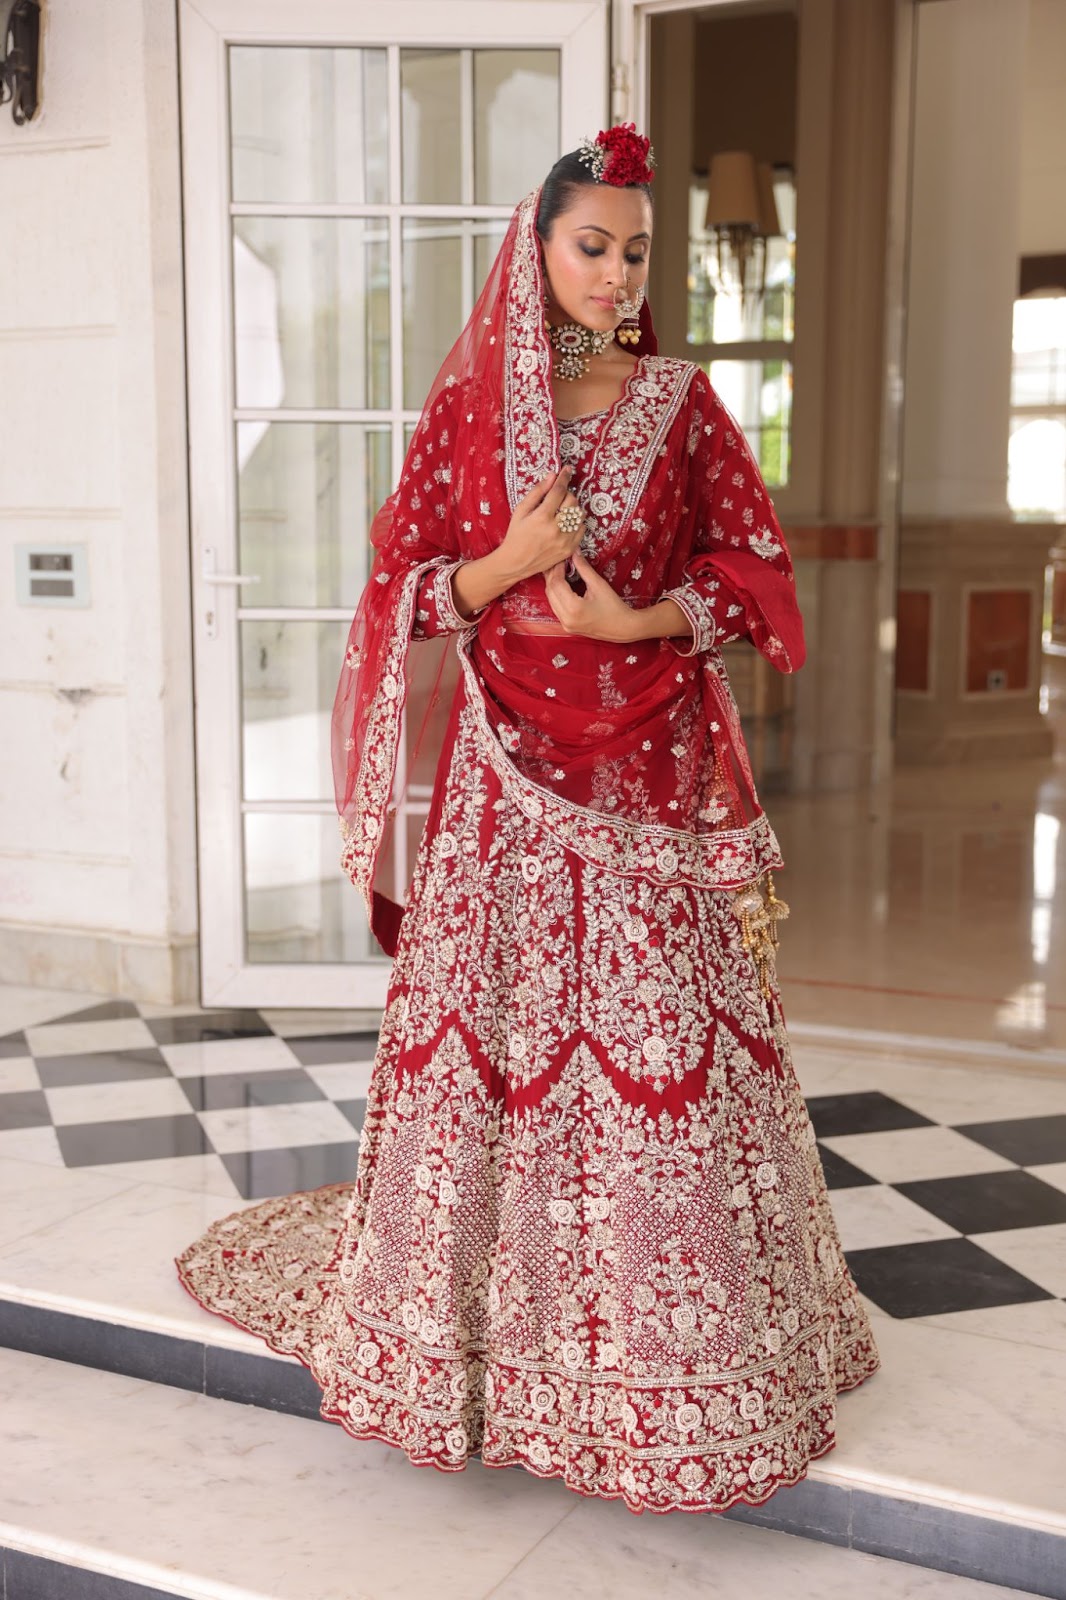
(52, 574)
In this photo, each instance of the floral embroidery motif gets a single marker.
(589, 1229)
(726, 858)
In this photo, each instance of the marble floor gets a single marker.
(933, 904)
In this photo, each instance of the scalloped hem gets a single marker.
(560, 1470)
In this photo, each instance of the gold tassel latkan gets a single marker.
(759, 916)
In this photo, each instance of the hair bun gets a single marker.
(619, 155)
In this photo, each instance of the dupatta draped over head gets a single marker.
(631, 754)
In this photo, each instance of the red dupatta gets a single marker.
(632, 754)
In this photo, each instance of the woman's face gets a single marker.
(604, 236)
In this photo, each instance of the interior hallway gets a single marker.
(934, 904)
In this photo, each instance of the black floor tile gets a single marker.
(97, 1144)
(938, 1276)
(13, 1044)
(259, 1174)
(102, 1066)
(980, 1201)
(229, 1091)
(207, 1025)
(324, 1049)
(23, 1108)
(841, 1174)
(1029, 1141)
(864, 1112)
(106, 1011)
(354, 1110)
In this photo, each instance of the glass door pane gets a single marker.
(315, 332)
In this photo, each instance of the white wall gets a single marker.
(97, 874)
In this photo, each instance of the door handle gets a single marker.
(232, 580)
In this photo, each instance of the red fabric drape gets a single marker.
(632, 753)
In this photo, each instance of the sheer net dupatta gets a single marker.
(438, 514)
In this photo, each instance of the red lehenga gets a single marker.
(589, 1232)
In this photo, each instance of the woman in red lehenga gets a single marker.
(589, 1231)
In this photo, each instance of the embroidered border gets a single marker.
(363, 828)
(531, 443)
(700, 615)
(723, 860)
(629, 443)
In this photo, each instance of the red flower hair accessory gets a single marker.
(619, 155)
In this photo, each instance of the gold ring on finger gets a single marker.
(571, 519)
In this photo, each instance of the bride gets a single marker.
(589, 1231)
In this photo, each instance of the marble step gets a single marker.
(915, 1477)
(950, 1457)
(112, 1488)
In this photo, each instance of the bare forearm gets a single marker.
(476, 583)
(664, 620)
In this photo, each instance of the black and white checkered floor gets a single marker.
(949, 1187)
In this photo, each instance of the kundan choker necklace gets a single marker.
(573, 343)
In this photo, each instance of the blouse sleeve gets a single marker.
(435, 611)
(739, 581)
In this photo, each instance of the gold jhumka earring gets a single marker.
(759, 916)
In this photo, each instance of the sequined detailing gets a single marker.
(589, 1230)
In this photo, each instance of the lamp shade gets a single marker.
(732, 191)
(769, 222)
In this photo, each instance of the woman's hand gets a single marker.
(534, 541)
(599, 613)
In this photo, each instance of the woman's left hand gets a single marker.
(599, 613)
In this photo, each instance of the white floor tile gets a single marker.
(1037, 1253)
(260, 1054)
(23, 1007)
(907, 1154)
(117, 1102)
(1038, 1324)
(31, 1144)
(115, 1260)
(33, 1197)
(951, 1094)
(594, 1554)
(870, 1215)
(276, 1127)
(343, 1080)
(246, 1502)
(86, 1038)
(200, 1174)
(18, 1072)
(947, 1416)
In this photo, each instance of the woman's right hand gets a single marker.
(534, 540)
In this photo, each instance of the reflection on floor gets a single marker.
(933, 904)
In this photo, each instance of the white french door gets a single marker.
(349, 172)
